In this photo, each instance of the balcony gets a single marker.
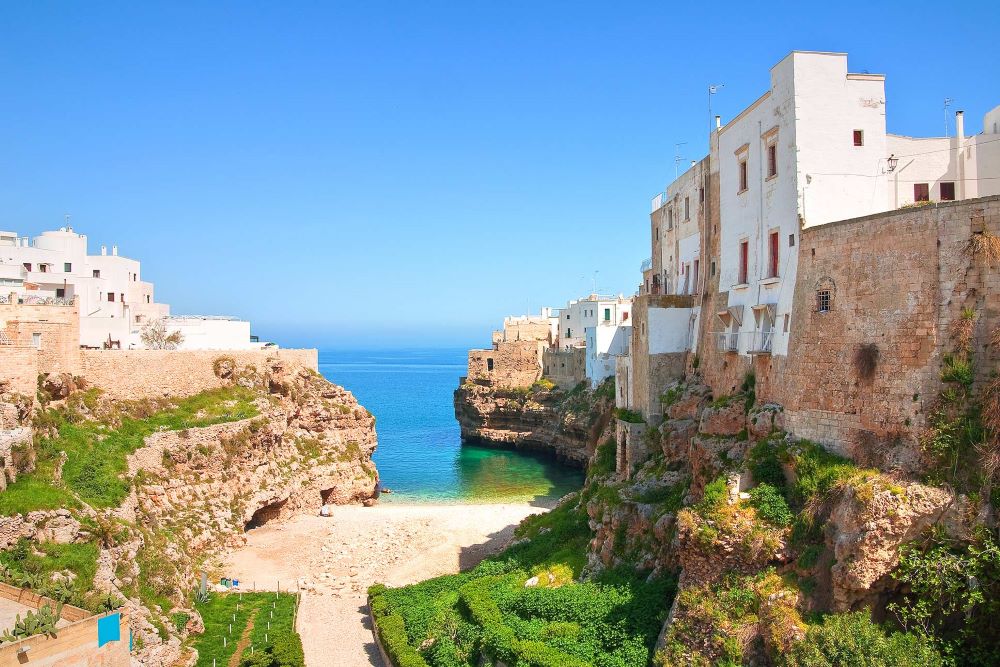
(659, 201)
(760, 342)
(728, 341)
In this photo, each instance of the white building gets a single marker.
(605, 342)
(115, 303)
(590, 311)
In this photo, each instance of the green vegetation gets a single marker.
(958, 370)
(544, 384)
(770, 505)
(96, 445)
(953, 596)
(283, 646)
(451, 621)
(629, 416)
(42, 622)
(604, 459)
(606, 389)
(31, 565)
(852, 640)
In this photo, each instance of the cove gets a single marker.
(420, 455)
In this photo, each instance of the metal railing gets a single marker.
(728, 341)
(760, 342)
(659, 201)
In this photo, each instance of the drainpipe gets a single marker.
(960, 161)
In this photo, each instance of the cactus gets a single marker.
(41, 623)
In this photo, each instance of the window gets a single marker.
(743, 175)
(147, 298)
(36, 341)
(670, 218)
(97, 273)
(712, 268)
(744, 262)
(27, 266)
(60, 292)
(772, 160)
(122, 298)
(772, 248)
(859, 137)
(657, 233)
(695, 275)
(687, 208)
(43, 268)
(791, 240)
(111, 297)
(569, 333)
(607, 314)
(948, 191)
(67, 267)
(489, 364)
(921, 192)
(785, 328)
(701, 195)
(823, 301)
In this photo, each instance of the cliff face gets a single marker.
(273, 441)
(567, 425)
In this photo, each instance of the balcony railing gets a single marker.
(646, 265)
(658, 202)
(728, 341)
(760, 342)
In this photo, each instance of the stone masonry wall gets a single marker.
(154, 373)
(567, 368)
(18, 369)
(899, 281)
(510, 365)
(59, 330)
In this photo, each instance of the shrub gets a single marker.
(544, 384)
(852, 640)
(770, 505)
(604, 459)
(958, 370)
(629, 416)
(765, 466)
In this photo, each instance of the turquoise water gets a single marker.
(420, 455)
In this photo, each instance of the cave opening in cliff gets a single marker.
(326, 495)
(264, 514)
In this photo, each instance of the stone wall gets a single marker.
(176, 373)
(58, 331)
(18, 369)
(567, 368)
(511, 364)
(899, 283)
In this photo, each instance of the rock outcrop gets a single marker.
(567, 425)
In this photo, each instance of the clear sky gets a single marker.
(371, 173)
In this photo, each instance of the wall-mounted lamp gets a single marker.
(892, 162)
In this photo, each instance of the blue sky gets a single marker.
(370, 173)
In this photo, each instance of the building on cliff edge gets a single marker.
(113, 301)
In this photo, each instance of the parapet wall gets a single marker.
(156, 373)
(511, 365)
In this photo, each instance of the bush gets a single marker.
(765, 466)
(604, 459)
(959, 371)
(770, 505)
(630, 416)
(852, 640)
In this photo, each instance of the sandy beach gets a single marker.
(334, 560)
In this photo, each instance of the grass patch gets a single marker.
(96, 449)
(218, 613)
(24, 567)
(452, 620)
(630, 416)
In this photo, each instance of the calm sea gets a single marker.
(420, 455)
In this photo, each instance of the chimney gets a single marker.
(960, 125)
(114, 250)
(104, 250)
(718, 122)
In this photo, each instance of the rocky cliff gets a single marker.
(149, 491)
(542, 418)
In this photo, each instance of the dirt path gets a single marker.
(234, 659)
(334, 560)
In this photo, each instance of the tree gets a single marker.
(155, 337)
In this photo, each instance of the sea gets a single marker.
(420, 454)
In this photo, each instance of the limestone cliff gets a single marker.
(542, 418)
(272, 441)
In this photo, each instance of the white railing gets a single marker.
(658, 201)
(728, 341)
(646, 265)
(760, 342)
